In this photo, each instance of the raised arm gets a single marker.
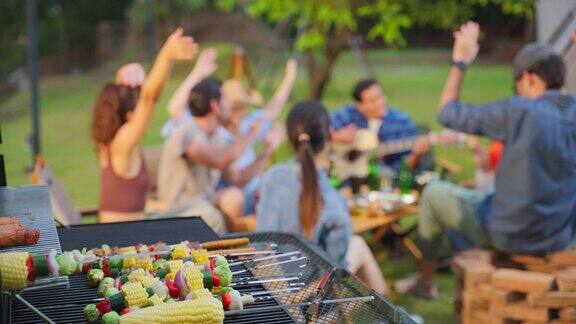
(221, 157)
(217, 157)
(240, 178)
(464, 52)
(489, 120)
(204, 67)
(280, 97)
(177, 47)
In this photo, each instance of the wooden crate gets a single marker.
(493, 288)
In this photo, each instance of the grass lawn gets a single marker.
(412, 80)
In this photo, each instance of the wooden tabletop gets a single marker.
(371, 219)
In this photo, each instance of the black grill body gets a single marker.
(66, 305)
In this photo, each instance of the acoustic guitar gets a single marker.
(353, 159)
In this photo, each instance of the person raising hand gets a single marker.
(121, 116)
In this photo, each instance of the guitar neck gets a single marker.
(406, 144)
(396, 146)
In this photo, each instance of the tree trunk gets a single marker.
(320, 69)
(319, 73)
(529, 29)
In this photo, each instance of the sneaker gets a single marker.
(412, 285)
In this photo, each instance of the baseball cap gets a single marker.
(530, 55)
(235, 92)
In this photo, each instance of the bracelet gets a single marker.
(460, 65)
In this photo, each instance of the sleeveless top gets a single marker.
(122, 195)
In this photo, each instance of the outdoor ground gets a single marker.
(412, 79)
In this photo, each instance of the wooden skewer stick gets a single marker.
(303, 304)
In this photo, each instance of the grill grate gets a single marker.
(65, 306)
(341, 284)
(31, 205)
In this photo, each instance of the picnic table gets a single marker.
(369, 220)
(374, 219)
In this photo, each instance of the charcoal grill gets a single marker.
(341, 285)
(31, 205)
(65, 306)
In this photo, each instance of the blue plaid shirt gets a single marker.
(395, 125)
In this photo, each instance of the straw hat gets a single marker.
(235, 92)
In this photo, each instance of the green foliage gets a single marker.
(443, 14)
(517, 7)
(142, 11)
(388, 18)
(324, 27)
(12, 24)
(314, 19)
(226, 5)
(61, 25)
(312, 39)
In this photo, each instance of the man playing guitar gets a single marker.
(371, 112)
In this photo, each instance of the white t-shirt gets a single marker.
(374, 125)
(180, 179)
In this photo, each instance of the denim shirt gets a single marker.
(533, 207)
(278, 208)
(395, 125)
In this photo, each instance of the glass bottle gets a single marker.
(373, 173)
(334, 180)
(405, 179)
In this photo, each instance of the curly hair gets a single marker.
(112, 105)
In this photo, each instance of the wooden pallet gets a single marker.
(493, 288)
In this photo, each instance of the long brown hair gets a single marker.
(112, 105)
(308, 131)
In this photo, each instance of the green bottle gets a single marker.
(334, 181)
(405, 179)
(373, 174)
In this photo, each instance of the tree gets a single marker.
(325, 27)
(13, 22)
(157, 19)
(61, 24)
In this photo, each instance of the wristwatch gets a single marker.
(460, 65)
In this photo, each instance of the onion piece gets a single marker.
(52, 263)
(160, 289)
(179, 280)
(77, 255)
(188, 264)
(183, 293)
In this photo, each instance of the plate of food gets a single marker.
(386, 201)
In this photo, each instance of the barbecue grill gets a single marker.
(341, 297)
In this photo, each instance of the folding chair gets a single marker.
(63, 210)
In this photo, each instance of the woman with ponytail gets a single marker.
(296, 197)
(121, 116)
